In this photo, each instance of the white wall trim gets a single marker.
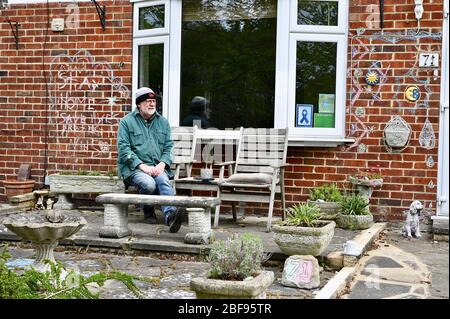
(443, 149)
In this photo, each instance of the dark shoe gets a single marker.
(174, 220)
(150, 217)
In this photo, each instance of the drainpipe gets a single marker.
(443, 118)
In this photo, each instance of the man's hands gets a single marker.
(153, 170)
(159, 169)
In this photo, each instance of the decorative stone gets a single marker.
(250, 288)
(427, 138)
(362, 148)
(294, 240)
(301, 272)
(397, 133)
(430, 161)
(360, 112)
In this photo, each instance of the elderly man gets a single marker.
(145, 146)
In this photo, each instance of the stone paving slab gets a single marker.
(401, 268)
(148, 239)
(158, 238)
(171, 274)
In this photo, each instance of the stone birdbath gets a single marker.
(44, 229)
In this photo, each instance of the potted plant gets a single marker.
(235, 270)
(303, 233)
(366, 181)
(354, 213)
(327, 197)
(81, 182)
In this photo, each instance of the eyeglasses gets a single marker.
(149, 101)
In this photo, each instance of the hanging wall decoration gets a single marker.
(360, 112)
(412, 93)
(397, 134)
(362, 148)
(372, 77)
(430, 161)
(427, 139)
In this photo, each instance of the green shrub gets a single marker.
(305, 215)
(236, 258)
(355, 205)
(32, 284)
(327, 193)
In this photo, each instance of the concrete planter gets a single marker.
(252, 288)
(328, 209)
(354, 221)
(294, 240)
(82, 184)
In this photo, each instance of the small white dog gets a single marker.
(412, 225)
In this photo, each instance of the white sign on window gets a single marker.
(428, 60)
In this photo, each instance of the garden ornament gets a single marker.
(411, 227)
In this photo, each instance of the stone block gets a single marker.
(335, 260)
(350, 261)
(301, 271)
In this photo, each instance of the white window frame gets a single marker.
(340, 28)
(339, 114)
(288, 35)
(137, 42)
(155, 31)
(284, 74)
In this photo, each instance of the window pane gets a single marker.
(315, 12)
(151, 69)
(228, 57)
(315, 83)
(151, 17)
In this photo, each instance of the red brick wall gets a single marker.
(393, 52)
(88, 75)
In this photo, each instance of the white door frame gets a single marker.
(443, 161)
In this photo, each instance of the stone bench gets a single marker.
(116, 213)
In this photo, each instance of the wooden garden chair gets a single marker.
(258, 170)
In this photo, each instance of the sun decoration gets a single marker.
(372, 77)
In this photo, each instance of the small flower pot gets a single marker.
(14, 187)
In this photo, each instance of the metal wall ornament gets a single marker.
(396, 134)
(427, 138)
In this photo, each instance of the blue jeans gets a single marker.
(153, 184)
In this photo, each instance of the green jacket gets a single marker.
(141, 142)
